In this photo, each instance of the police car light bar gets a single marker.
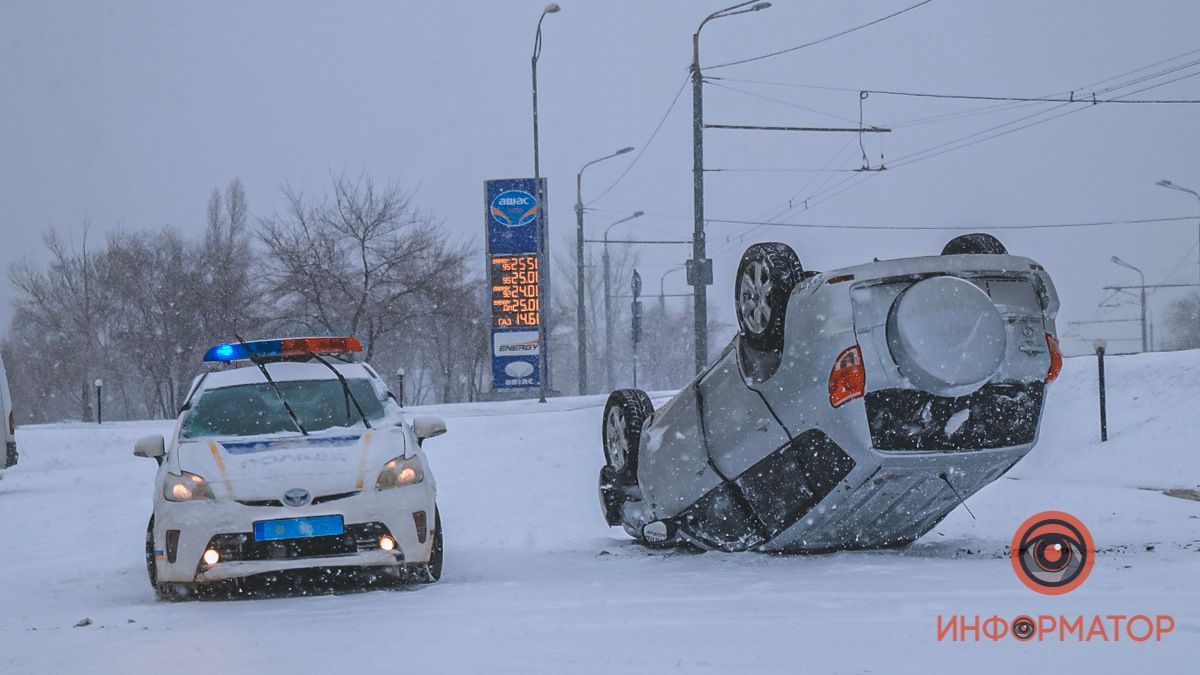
(274, 349)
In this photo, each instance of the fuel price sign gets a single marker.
(515, 226)
(515, 291)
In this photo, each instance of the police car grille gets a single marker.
(316, 500)
(242, 545)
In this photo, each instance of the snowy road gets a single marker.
(535, 582)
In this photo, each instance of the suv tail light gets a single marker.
(848, 379)
(1055, 359)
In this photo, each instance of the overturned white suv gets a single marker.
(855, 408)
(288, 456)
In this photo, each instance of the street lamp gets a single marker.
(551, 8)
(662, 294)
(700, 268)
(581, 315)
(608, 325)
(1122, 263)
(1168, 184)
(99, 401)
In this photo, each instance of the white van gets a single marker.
(7, 421)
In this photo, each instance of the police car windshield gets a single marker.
(255, 409)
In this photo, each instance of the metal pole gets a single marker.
(1180, 188)
(1103, 410)
(99, 402)
(698, 281)
(580, 313)
(701, 272)
(608, 327)
(543, 252)
(662, 296)
(580, 310)
(635, 309)
(1145, 333)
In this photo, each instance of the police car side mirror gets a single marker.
(428, 426)
(153, 447)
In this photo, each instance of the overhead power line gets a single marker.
(1089, 101)
(644, 145)
(1037, 226)
(895, 226)
(824, 39)
(1039, 117)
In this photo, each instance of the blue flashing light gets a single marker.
(234, 351)
(237, 351)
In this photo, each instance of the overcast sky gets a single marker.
(128, 114)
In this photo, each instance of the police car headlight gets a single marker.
(185, 488)
(400, 471)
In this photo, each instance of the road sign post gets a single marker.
(636, 313)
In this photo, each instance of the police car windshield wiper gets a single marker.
(349, 395)
(258, 362)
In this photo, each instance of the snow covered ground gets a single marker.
(534, 581)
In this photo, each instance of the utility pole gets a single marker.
(1172, 186)
(1145, 332)
(543, 251)
(699, 262)
(699, 268)
(580, 310)
(609, 378)
(662, 296)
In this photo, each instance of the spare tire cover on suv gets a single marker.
(946, 336)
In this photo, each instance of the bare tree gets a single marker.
(230, 302)
(63, 313)
(364, 263)
(1183, 321)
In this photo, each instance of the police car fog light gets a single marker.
(387, 543)
(212, 556)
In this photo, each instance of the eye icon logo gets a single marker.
(1052, 553)
(514, 208)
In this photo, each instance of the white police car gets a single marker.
(288, 456)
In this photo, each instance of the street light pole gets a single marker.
(541, 205)
(1145, 333)
(99, 401)
(608, 324)
(662, 294)
(700, 267)
(580, 312)
(1168, 184)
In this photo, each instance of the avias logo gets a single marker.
(514, 208)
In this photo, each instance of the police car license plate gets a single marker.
(298, 528)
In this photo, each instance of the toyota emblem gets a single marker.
(296, 497)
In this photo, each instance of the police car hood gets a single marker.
(255, 469)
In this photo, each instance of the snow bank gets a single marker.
(536, 583)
